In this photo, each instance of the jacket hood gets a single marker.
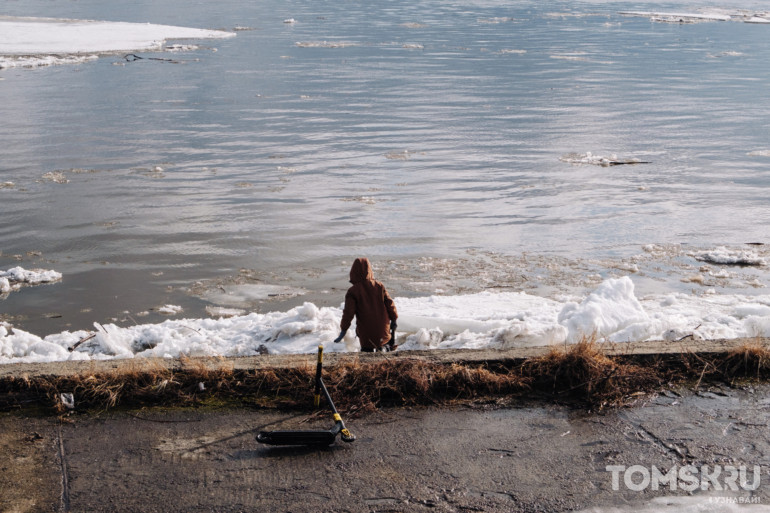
(361, 271)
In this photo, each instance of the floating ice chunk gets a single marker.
(324, 44)
(704, 16)
(570, 57)
(246, 294)
(182, 48)
(678, 16)
(729, 53)
(599, 160)
(366, 200)
(55, 177)
(33, 61)
(170, 309)
(16, 277)
(398, 155)
(495, 21)
(726, 256)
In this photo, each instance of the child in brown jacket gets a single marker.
(369, 302)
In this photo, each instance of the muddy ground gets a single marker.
(478, 457)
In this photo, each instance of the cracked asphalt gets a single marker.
(533, 457)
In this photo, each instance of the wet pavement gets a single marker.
(481, 457)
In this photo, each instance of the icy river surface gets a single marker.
(463, 146)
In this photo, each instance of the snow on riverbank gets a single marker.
(482, 320)
(26, 42)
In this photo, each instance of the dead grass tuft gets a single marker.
(585, 373)
(751, 360)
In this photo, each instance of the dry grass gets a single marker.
(748, 361)
(580, 374)
(583, 372)
(412, 382)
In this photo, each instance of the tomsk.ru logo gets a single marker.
(688, 478)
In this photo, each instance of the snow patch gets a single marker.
(610, 311)
(17, 277)
(495, 320)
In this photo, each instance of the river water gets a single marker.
(442, 139)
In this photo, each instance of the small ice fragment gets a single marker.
(170, 309)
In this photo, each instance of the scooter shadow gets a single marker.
(284, 451)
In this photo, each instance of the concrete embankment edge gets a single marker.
(470, 356)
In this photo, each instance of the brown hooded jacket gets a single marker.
(373, 308)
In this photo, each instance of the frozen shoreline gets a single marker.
(484, 320)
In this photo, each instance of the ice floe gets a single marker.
(28, 42)
(17, 277)
(706, 15)
(599, 160)
(324, 44)
(728, 256)
(241, 295)
(169, 309)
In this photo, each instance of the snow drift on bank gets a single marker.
(483, 320)
(28, 42)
